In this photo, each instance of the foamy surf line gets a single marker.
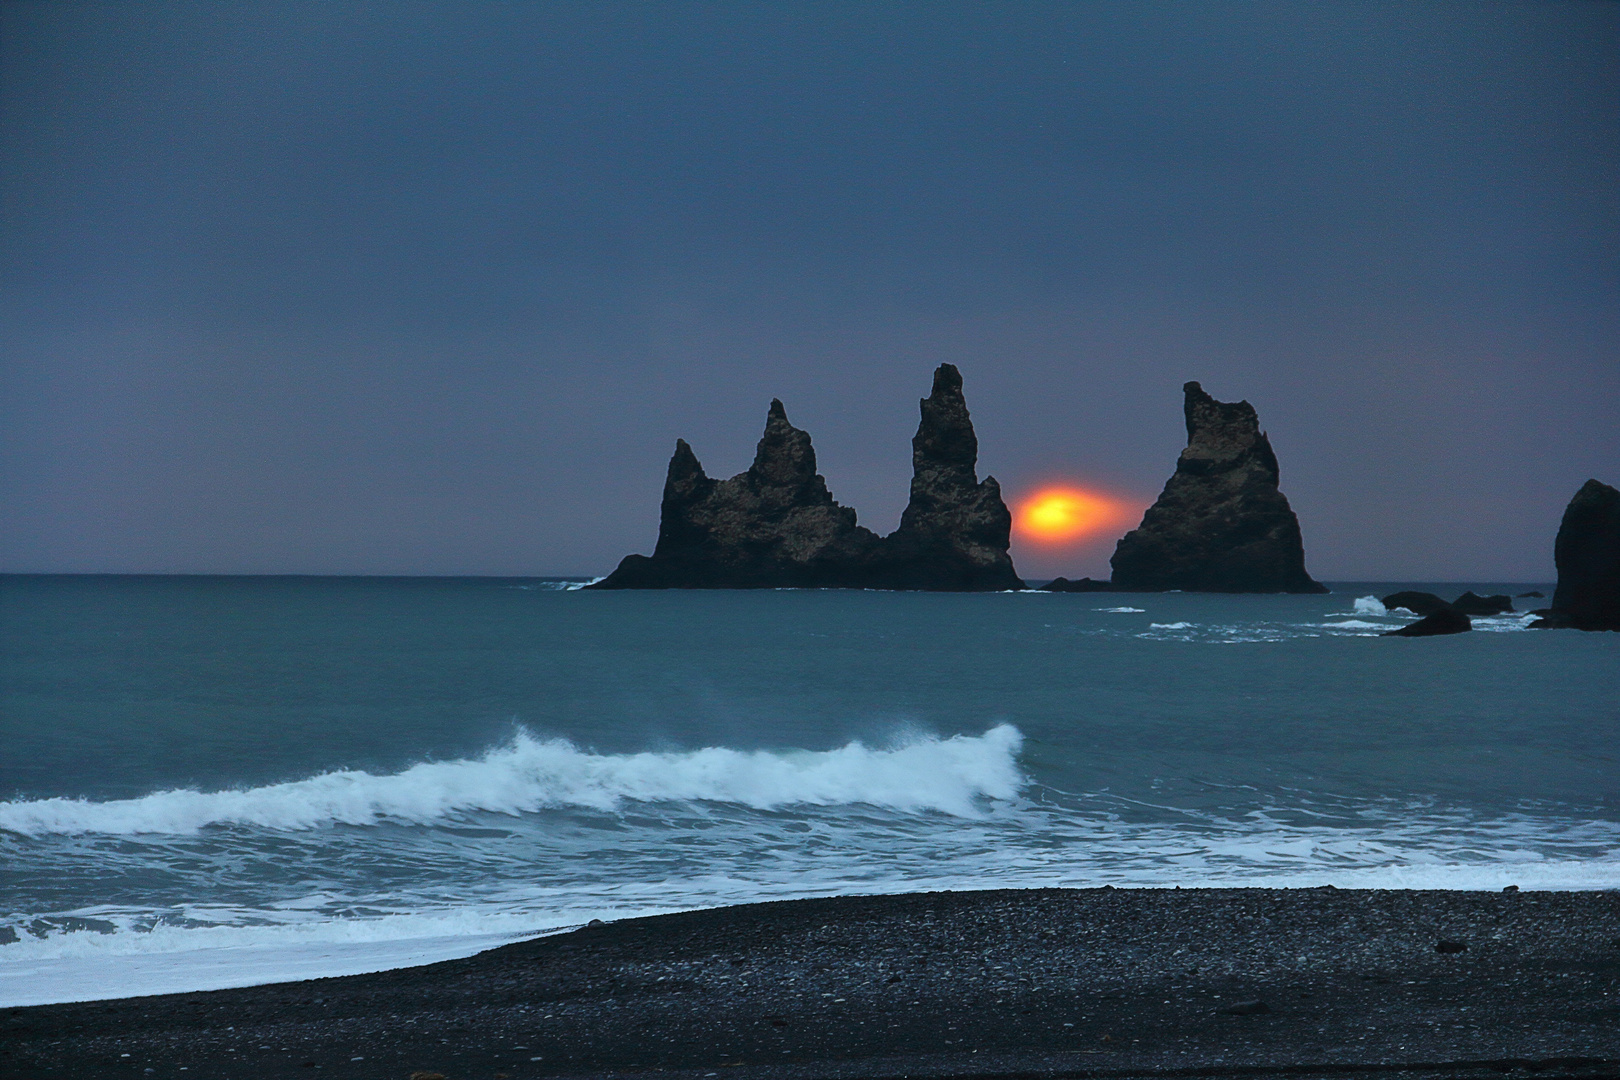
(89, 966)
(528, 774)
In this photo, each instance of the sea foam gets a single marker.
(529, 774)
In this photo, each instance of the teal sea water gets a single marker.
(215, 781)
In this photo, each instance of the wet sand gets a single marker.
(1098, 982)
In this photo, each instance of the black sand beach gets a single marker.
(1101, 982)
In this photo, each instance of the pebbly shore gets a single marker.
(1026, 983)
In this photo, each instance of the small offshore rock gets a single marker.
(1531, 595)
(1445, 621)
(1510, 888)
(1418, 603)
(1246, 1008)
(1450, 947)
(1085, 584)
(1471, 603)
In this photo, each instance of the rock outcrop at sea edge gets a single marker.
(774, 526)
(1085, 585)
(1448, 620)
(777, 525)
(1221, 524)
(1418, 603)
(956, 529)
(1587, 554)
(1469, 603)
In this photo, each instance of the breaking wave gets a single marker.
(528, 774)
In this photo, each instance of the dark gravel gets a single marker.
(1096, 982)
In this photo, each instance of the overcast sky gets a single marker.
(433, 287)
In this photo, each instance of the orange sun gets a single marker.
(1062, 515)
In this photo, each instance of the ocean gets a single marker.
(220, 781)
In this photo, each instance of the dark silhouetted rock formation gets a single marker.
(1418, 603)
(777, 525)
(1471, 603)
(1221, 523)
(1587, 554)
(955, 531)
(1085, 584)
(1447, 620)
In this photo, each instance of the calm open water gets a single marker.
(219, 781)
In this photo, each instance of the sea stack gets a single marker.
(956, 529)
(1587, 554)
(778, 526)
(1221, 524)
(774, 526)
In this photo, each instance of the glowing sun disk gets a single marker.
(1058, 515)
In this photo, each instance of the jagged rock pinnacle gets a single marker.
(955, 531)
(777, 525)
(1221, 524)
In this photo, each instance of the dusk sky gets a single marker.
(432, 288)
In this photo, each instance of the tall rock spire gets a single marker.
(1221, 523)
(777, 525)
(784, 468)
(955, 531)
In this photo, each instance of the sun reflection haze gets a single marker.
(1064, 514)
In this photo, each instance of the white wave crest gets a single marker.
(1370, 605)
(529, 774)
